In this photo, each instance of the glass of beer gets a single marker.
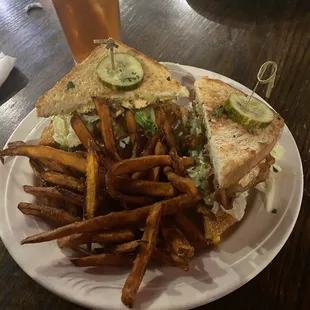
(86, 20)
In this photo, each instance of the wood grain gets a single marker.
(231, 37)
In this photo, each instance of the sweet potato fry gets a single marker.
(48, 155)
(164, 258)
(64, 180)
(176, 242)
(55, 192)
(92, 183)
(103, 260)
(190, 231)
(141, 261)
(133, 133)
(57, 216)
(83, 133)
(53, 166)
(149, 150)
(128, 246)
(184, 185)
(128, 166)
(150, 188)
(106, 237)
(166, 126)
(177, 163)
(37, 168)
(187, 162)
(106, 128)
(160, 149)
(127, 218)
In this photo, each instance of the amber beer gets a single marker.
(86, 20)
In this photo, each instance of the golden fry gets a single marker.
(166, 126)
(127, 218)
(54, 166)
(55, 192)
(106, 128)
(141, 261)
(58, 216)
(48, 155)
(154, 173)
(176, 242)
(190, 231)
(165, 258)
(92, 183)
(187, 162)
(64, 180)
(106, 237)
(128, 246)
(149, 150)
(149, 188)
(128, 166)
(177, 163)
(133, 133)
(103, 260)
(37, 168)
(184, 185)
(82, 132)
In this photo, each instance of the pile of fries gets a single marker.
(116, 209)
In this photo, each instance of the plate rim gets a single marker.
(194, 303)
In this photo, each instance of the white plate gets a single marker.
(246, 251)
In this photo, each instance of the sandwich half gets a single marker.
(75, 91)
(239, 157)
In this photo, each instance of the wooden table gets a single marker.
(231, 37)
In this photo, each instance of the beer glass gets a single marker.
(86, 20)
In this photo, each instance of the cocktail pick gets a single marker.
(260, 78)
(110, 45)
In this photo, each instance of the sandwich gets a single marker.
(241, 148)
(233, 142)
(141, 83)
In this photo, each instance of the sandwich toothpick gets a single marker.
(270, 80)
(110, 44)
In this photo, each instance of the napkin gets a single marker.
(6, 65)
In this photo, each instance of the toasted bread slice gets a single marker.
(157, 86)
(46, 137)
(234, 152)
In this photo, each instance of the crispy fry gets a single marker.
(92, 183)
(128, 166)
(160, 149)
(133, 133)
(163, 123)
(55, 192)
(37, 168)
(47, 155)
(150, 188)
(106, 128)
(127, 218)
(149, 150)
(177, 163)
(106, 237)
(134, 279)
(54, 166)
(165, 258)
(82, 132)
(103, 260)
(187, 162)
(58, 216)
(176, 242)
(70, 207)
(64, 180)
(128, 246)
(184, 185)
(190, 231)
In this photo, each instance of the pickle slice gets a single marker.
(128, 73)
(253, 114)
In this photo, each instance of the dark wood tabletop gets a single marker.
(231, 37)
